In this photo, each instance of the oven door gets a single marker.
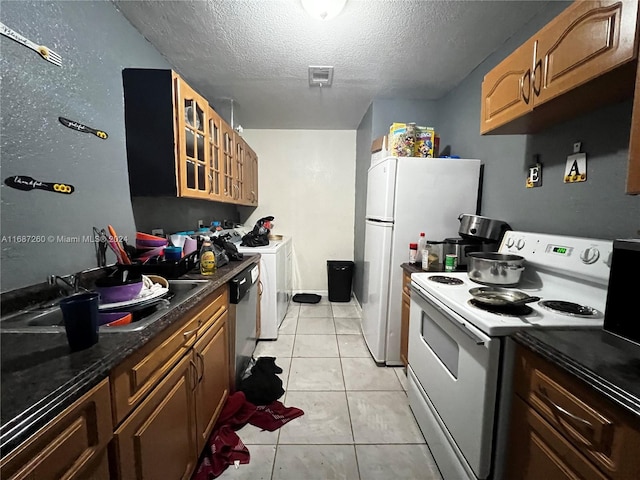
(457, 366)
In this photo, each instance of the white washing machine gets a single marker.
(275, 279)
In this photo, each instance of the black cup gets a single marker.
(80, 314)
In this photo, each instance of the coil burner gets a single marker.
(445, 280)
(504, 310)
(569, 308)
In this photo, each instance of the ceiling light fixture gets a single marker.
(323, 9)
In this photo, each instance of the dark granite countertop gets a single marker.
(417, 268)
(604, 361)
(40, 377)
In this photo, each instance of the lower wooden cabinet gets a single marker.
(158, 440)
(166, 431)
(404, 318)
(562, 428)
(72, 446)
(211, 356)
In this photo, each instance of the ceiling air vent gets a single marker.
(320, 76)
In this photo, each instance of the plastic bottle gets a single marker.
(207, 259)
(422, 243)
(413, 251)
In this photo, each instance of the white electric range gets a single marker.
(460, 357)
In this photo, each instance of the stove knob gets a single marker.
(590, 255)
(520, 244)
(510, 242)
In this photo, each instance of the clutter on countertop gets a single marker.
(259, 236)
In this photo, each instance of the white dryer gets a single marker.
(275, 279)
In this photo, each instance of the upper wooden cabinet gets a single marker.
(191, 138)
(246, 172)
(177, 145)
(581, 60)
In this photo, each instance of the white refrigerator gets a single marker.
(406, 196)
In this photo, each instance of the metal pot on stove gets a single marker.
(499, 269)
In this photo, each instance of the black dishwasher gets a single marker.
(243, 297)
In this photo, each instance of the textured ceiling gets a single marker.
(257, 52)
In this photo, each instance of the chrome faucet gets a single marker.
(72, 281)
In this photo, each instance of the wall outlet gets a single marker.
(200, 223)
(158, 232)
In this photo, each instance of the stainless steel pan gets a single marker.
(503, 297)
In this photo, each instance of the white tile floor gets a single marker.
(357, 423)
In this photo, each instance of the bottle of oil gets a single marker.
(207, 258)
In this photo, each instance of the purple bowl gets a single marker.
(119, 293)
(142, 244)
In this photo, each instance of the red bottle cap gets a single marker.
(413, 246)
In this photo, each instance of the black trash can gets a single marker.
(340, 274)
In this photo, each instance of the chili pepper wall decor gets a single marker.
(79, 127)
(22, 182)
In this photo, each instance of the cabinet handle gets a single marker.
(537, 76)
(195, 376)
(569, 417)
(200, 358)
(191, 333)
(526, 97)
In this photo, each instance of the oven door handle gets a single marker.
(461, 326)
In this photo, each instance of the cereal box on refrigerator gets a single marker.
(402, 139)
(425, 142)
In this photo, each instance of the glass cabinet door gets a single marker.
(215, 156)
(239, 174)
(227, 161)
(192, 131)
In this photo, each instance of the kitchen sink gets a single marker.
(48, 318)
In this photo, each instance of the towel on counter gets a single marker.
(224, 447)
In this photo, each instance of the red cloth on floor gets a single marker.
(271, 417)
(225, 447)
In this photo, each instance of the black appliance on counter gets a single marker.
(620, 316)
(477, 234)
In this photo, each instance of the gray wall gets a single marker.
(597, 208)
(363, 160)
(179, 214)
(96, 42)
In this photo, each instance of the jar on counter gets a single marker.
(434, 263)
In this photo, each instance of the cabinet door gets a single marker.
(585, 41)
(404, 329)
(72, 446)
(537, 451)
(228, 166)
(506, 90)
(633, 168)
(191, 141)
(252, 177)
(240, 193)
(215, 156)
(211, 355)
(158, 440)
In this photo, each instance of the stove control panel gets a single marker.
(584, 257)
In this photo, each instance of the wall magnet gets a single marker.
(79, 127)
(576, 168)
(22, 182)
(534, 178)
